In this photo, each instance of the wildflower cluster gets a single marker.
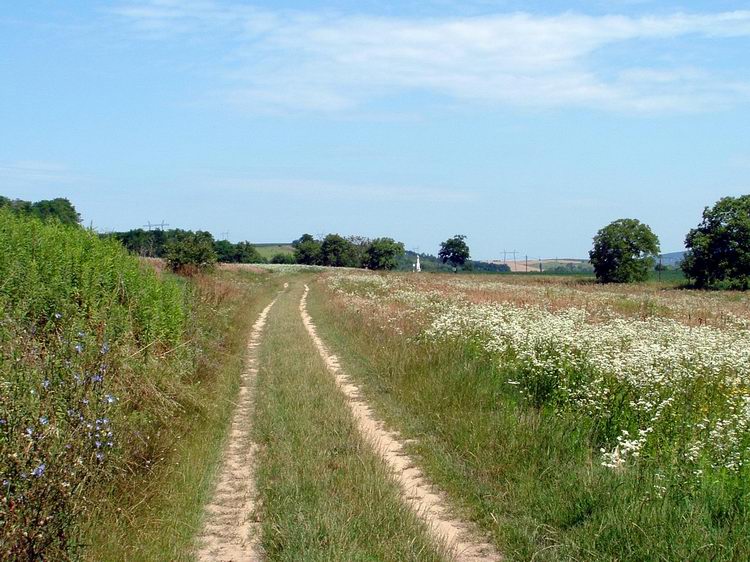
(74, 311)
(648, 388)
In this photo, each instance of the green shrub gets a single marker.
(190, 252)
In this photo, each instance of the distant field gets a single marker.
(532, 265)
(270, 250)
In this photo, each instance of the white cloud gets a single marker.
(302, 61)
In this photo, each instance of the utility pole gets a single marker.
(505, 261)
(540, 265)
(225, 235)
(527, 263)
(155, 226)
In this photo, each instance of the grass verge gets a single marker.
(325, 494)
(159, 507)
(527, 476)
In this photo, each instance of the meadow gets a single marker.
(565, 420)
(572, 420)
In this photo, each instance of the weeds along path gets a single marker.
(429, 506)
(229, 533)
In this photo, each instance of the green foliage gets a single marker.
(719, 248)
(157, 244)
(337, 251)
(454, 251)
(190, 251)
(283, 258)
(242, 252)
(383, 253)
(307, 250)
(624, 252)
(59, 209)
(81, 322)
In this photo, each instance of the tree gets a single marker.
(60, 209)
(624, 252)
(245, 252)
(242, 252)
(337, 251)
(307, 250)
(191, 251)
(454, 251)
(225, 251)
(383, 253)
(719, 248)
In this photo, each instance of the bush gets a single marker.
(190, 252)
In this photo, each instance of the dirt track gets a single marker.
(230, 533)
(429, 506)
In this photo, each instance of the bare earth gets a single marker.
(456, 535)
(230, 534)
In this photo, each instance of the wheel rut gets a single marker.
(230, 532)
(458, 536)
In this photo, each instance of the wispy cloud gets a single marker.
(28, 173)
(308, 61)
(341, 191)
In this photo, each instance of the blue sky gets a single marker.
(524, 125)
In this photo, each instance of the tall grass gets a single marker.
(101, 361)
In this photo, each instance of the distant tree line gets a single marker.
(186, 248)
(335, 250)
(59, 209)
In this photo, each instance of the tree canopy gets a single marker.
(454, 251)
(337, 251)
(624, 252)
(307, 250)
(60, 209)
(719, 247)
(383, 253)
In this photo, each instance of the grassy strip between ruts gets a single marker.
(528, 477)
(325, 494)
(159, 511)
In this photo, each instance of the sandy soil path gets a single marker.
(230, 534)
(419, 494)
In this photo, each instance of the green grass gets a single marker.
(528, 477)
(325, 494)
(159, 510)
(268, 251)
